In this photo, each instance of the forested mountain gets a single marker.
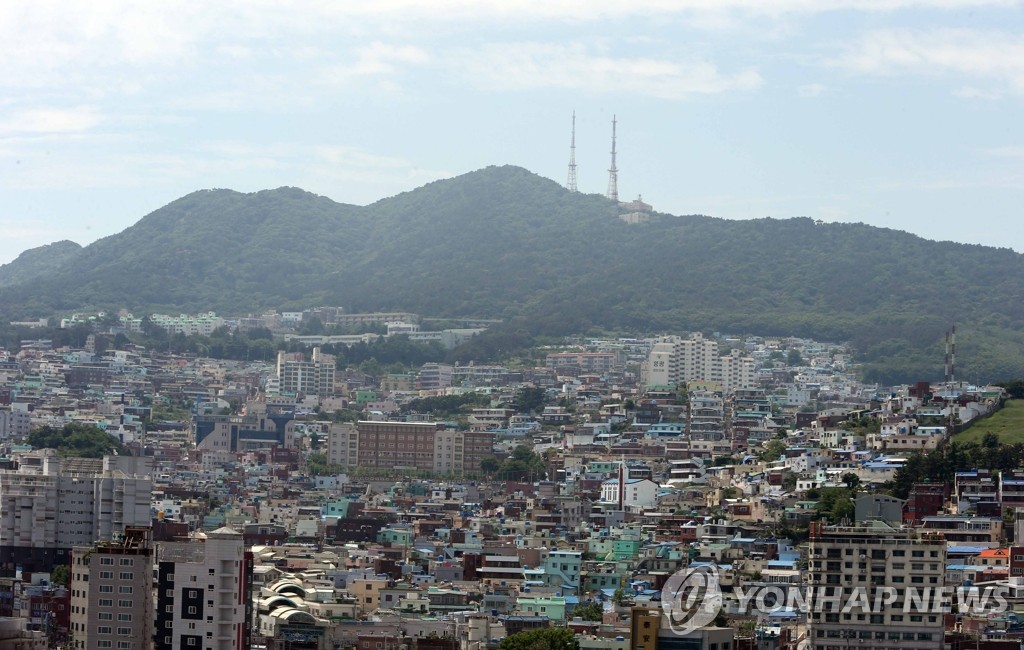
(505, 243)
(38, 262)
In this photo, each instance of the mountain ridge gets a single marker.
(502, 242)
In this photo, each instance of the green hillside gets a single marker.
(505, 243)
(39, 262)
(1007, 423)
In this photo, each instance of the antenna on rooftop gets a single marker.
(571, 183)
(613, 172)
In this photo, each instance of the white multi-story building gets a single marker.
(637, 492)
(434, 376)
(49, 506)
(203, 592)
(112, 593)
(14, 423)
(674, 360)
(845, 559)
(340, 437)
(312, 377)
(200, 324)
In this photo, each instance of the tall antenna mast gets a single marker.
(945, 376)
(952, 355)
(571, 184)
(613, 173)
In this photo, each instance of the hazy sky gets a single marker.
(899, 113)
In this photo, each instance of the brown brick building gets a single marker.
(412, 446)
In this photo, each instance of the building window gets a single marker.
(127, 575)
(106, 560)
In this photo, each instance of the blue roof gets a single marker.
(966, 550)
(784, 612)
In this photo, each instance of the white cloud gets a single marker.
(375, 59)
(1006, 152)
(357, 158)
(47, 41)
(416, 11)
(526, 66)
(811, 90)
(984, 55)
(42, 121)
(971, 92)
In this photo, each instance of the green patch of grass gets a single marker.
(1007, 423)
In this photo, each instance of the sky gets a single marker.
(904, 114)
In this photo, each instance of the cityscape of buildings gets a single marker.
(300, 503)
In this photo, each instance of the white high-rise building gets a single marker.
(49, 506)
(846, 561)
(313, 377)
(675, 359)
(203, 593)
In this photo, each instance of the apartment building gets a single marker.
(314, 376)
(586, 362)
(564, 569)
(421, 446)
(198, 325)
(203, 593)
(980, 531)
(973, 487)
(434, 376)
(49, 506)
(847, 560)
(14, 423)
(673, 360)
(474, 375)
(112, 593)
